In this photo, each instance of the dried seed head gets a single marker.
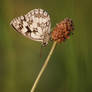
(62, 30)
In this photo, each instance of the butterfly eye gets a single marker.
(44, 44)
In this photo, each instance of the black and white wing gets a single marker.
(34, 25)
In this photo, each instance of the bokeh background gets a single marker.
(70, 67)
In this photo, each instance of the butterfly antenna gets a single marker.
(41, 51)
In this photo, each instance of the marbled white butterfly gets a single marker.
(34, 25)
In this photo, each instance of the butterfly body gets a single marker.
(34, 25)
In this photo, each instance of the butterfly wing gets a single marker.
(34, 25)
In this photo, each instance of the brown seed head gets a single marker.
(62, 30)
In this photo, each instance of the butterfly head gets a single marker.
(46, 39)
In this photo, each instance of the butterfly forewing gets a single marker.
(34, 25)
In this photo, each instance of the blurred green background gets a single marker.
(70, 67)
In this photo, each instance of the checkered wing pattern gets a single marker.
(34, 25)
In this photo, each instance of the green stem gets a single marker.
(43, 67)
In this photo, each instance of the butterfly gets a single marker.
(34, 25)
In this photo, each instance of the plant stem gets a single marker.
(43, 67)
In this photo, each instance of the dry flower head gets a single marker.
(62, 30)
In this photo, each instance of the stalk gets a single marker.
(43, 67)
